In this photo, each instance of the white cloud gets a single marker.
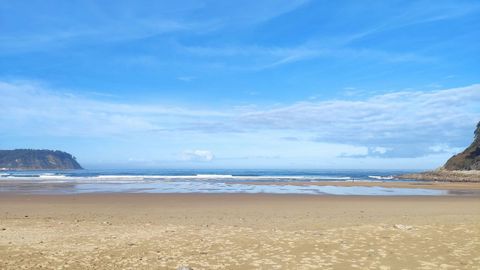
(30, 106)
(186, 78)
(395, 124)
(381, 150)
(407, 122)
(197, 155)
(445, 148)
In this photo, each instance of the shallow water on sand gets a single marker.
(205, 181)
(195, 187)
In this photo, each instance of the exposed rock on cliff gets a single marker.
(469, 159)
(463, 167)
(29, 159)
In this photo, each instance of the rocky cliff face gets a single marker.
(29, 159)
(469, 159)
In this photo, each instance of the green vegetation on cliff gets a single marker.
(469, 159)
(463, 167)
(30, 159)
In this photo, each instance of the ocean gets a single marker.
(204, 181)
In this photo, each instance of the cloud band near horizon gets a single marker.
(396, 124)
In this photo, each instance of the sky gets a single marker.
(291, 84)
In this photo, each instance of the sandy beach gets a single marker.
(238, 135)
(162, 231)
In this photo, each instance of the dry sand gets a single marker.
(141, 231)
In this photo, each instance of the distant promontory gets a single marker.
(30, 159)
(462, 167)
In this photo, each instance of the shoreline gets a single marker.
(297, 188)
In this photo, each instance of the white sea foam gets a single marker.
(381, 177)
(52, 176)
(214, 175)
(198, 177)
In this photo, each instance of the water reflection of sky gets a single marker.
(210, 187)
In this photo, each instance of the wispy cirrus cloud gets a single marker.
(261, 58)
(411, 14)
(89, 34)
(340, 45)
(395, 124)
(126, 22)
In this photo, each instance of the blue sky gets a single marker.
(241, 84)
